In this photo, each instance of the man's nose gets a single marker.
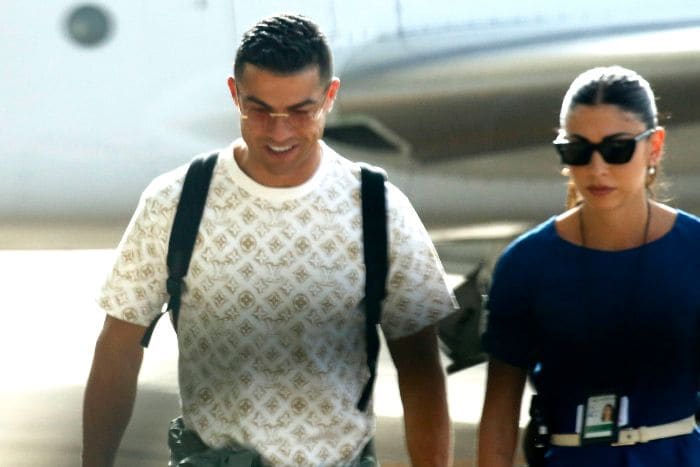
(279, 123)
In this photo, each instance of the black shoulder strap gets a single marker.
(375, 240)
(184, 233)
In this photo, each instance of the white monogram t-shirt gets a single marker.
(271, 334)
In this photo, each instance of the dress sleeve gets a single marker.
(134, 290)
(508, 334)
(417, 291)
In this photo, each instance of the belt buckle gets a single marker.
(629, 436)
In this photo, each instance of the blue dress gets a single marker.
(593, 322)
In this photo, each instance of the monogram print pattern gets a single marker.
(271, 329)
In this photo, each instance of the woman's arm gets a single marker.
(498, 431)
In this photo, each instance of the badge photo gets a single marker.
(600, 419)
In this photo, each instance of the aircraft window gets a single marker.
(89, 25)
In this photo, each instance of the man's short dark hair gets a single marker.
(285, 44)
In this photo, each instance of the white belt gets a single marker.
(630, 436)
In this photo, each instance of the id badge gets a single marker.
(600, 418)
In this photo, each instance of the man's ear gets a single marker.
(232, 89)
(333, 89)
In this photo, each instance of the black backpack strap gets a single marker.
(184, 233)
(375, 240)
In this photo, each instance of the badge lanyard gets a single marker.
(604, 413)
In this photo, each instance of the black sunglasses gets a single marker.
(614, 151)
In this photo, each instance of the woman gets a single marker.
(601, 303)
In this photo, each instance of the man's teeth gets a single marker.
(279, 148)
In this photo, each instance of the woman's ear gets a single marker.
(657, 140)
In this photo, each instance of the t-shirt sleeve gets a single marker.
(417, 291)
(134, 290)
(508, 334)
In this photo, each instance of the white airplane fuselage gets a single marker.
(458, 105)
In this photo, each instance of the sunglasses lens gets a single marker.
(574, 153)
(580, 153)
(617, 151)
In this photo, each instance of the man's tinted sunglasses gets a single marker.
(614, 151)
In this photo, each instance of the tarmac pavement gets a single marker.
(43, 429)
(49, 326)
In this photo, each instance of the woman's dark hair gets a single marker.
(285, 44)
(613, 85)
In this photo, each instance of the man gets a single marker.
(271, 332)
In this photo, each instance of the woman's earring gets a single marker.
(565, 171)
(651, 175)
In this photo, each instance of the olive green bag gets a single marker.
(188, 450)
(460, 332)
